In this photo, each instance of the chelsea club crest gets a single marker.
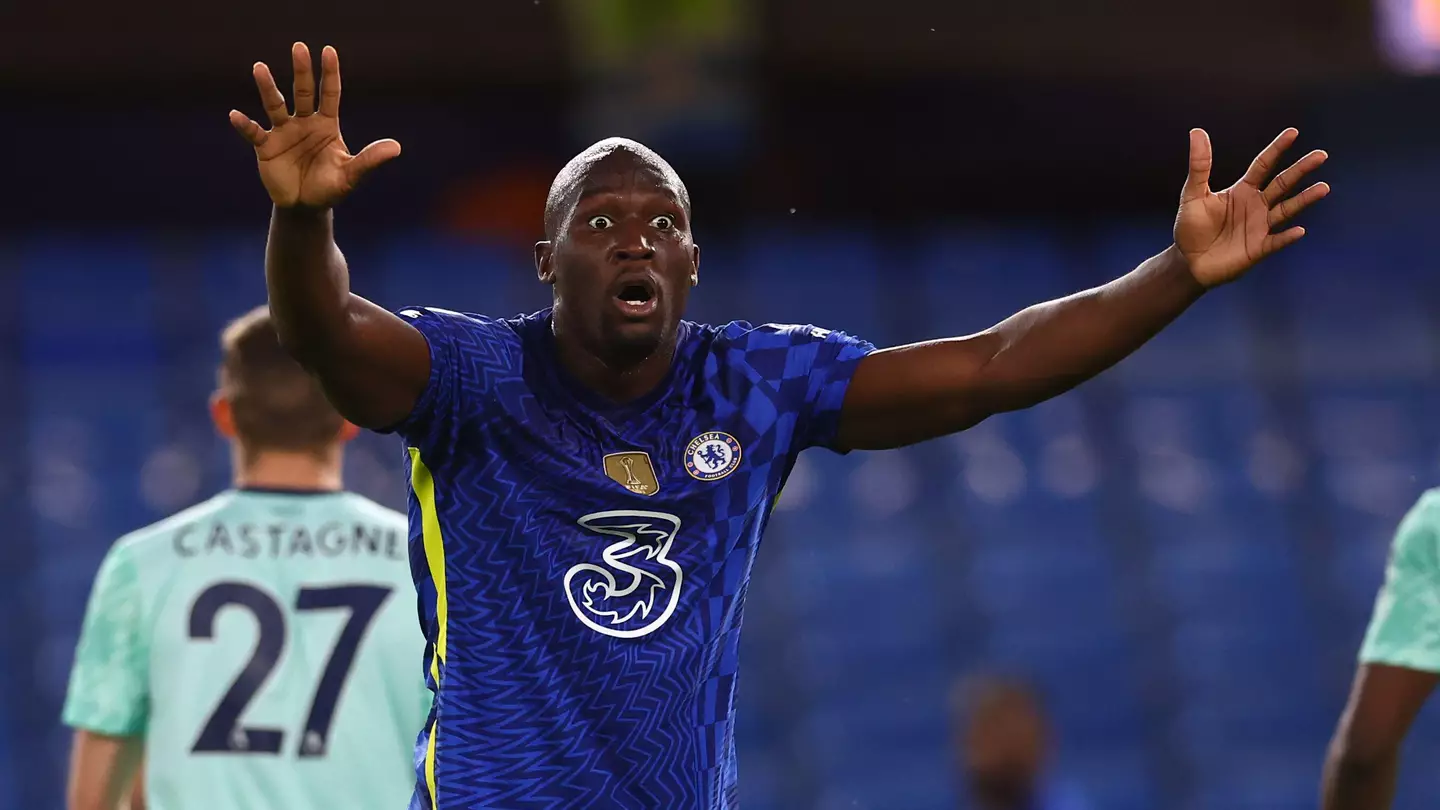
(712, 456)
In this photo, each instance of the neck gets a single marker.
(617, 377)
(275, 469)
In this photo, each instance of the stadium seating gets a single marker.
(1180, 555)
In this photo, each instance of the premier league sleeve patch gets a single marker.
(712, 456)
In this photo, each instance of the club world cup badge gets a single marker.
(633, 471)
(712, 456)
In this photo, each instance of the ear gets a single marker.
(222, 415)
(348, 432)
(545, 262)
(695, 274)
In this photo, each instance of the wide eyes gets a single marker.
(601, 222)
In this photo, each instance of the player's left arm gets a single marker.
(1364, 755)
(103, 771)
(108, 699)
(1399, 668)
(912, 393)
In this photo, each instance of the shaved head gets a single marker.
(616, 153)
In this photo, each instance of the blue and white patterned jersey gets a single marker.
(582, 565)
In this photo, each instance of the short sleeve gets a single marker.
(462, 349)
(109, 690)
(1405, 627)
(836, 357)
(807, 369)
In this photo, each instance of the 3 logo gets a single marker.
(637, 587)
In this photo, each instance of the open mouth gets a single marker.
(637, 298)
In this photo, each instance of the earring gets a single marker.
(694, 279)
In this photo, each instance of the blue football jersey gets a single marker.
(582, 565)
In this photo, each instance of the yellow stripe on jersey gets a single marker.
(424, 486)
(430, 765)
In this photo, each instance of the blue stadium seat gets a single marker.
(461, 275)
(92, 294)
(1044, 586)
(1030, 479)
(232, 273)
(908, 715)
(1229, 580)
(878, 778)
(850, 659)
(1072, 663)
(974, 279)
(827, 279)
(1111, 777)
(1356, 318)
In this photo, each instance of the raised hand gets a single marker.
(1224, 234)
(303, 160)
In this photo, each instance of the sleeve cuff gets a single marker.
(426, 403)
(1418, 660)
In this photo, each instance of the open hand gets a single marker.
(303, 160)
(1223, 234)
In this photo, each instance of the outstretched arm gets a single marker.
(1364, 755)
(372, 364)
(912, 393)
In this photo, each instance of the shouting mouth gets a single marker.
(637, 297)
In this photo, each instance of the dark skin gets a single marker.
(623, 228)
(374, 366)
(1364, 755)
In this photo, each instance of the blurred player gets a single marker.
(1399, 666)
(589, 483)
(260, 647)
(1004, 748)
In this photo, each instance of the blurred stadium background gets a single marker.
(1182, 555)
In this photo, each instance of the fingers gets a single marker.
(330, 83)
(1276, 242)
(270, 95)
(1265, 162)
(304, 87)
(371, 156)
(1197, 182)
(1291, 177)
(1285, 211)
(248, 129)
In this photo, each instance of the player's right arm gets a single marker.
(373, 365)
(1399, 668)
(108, 699)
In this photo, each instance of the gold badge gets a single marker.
(633, 471)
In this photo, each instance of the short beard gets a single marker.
(622, 352)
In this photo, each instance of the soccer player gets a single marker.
(259, 649)
(589, 483)
(1399, 667)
